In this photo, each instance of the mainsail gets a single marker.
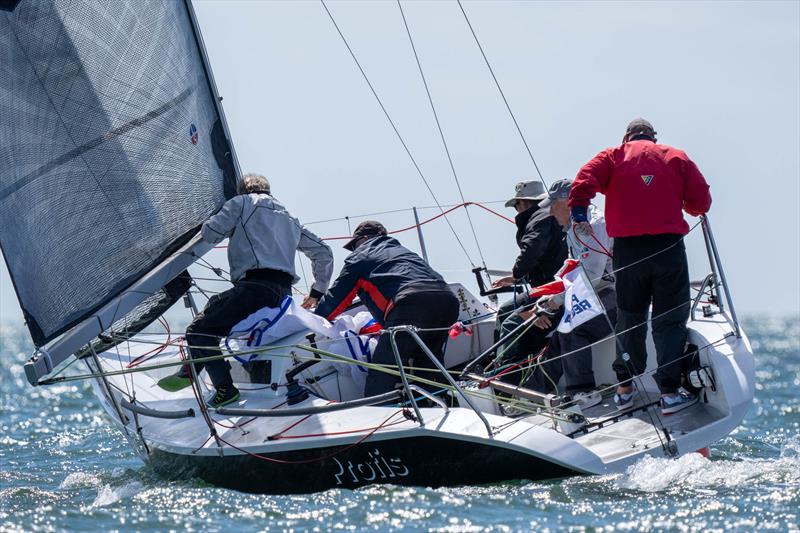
(113, 150)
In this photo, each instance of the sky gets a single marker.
(720, 80)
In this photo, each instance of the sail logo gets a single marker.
(648, 179)
(374, 467)
(193, 134)
(578, 307)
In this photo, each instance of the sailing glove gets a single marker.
(579, 214)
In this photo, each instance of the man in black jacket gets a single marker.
(542, 251)
(399, 288)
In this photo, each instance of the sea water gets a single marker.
(63, 467)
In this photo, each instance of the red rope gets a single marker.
(248, 421)
(336, 432)
(443, 213)
(316, 459)
(295, 424)
(603, 251)
(198, 396)
(485, 383)
(415, 226)
(492, 211)
(158, 349)
(277, 436)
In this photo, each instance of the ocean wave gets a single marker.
(692, 470)
(107, 495)
(78, 480)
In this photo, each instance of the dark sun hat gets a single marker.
(640, 126)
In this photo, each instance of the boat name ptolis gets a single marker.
(372, 468)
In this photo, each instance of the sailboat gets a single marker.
(115, 149)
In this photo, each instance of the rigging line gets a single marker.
(441, 133)
(620, 269)
(692, 353)
(610, 336)
(503, 96)
(303, 270)
(451, 205)
(660, 428)
(339, 358)
(403, 210)
(201, 261)
(396, 131)
(428, 220)
(194, 381)
(315, 459)
(347, 218)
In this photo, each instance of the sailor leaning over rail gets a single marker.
(399, 288)
(542, 251)
(593, 251)
(647, 188)
(263, 240)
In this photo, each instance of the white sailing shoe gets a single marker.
(587, 399)
(677, 402)
(625, 400)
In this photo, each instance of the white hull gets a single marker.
(343, 448)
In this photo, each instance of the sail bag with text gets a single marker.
(112, 150)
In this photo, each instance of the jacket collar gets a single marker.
(521, 219)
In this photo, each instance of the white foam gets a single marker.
(79, 479)
(693, 470)
(9, 441)
(106, 495)
(791, 448)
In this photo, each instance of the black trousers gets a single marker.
(520, 345)
(663, 281)
(506, 311)
(221, 313)
(577, 366)
(437, 309)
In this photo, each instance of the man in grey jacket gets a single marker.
(594, 253)
(263, 240)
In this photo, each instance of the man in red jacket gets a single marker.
(647, 187)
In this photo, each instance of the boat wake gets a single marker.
(111, 488)
(107, 495)
(80, 480)
(697, 472)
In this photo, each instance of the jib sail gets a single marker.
(113, 151)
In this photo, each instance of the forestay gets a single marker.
(113, 151)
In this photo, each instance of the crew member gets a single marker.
(399, 288)
(593, 251)
(647, 187)
(263, 239)
(542, 252)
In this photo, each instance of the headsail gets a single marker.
(113, 151)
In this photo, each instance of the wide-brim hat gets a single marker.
(368, 228)
(528, 190)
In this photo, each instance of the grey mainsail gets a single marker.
(113, 150)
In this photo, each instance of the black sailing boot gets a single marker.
(224, 395)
